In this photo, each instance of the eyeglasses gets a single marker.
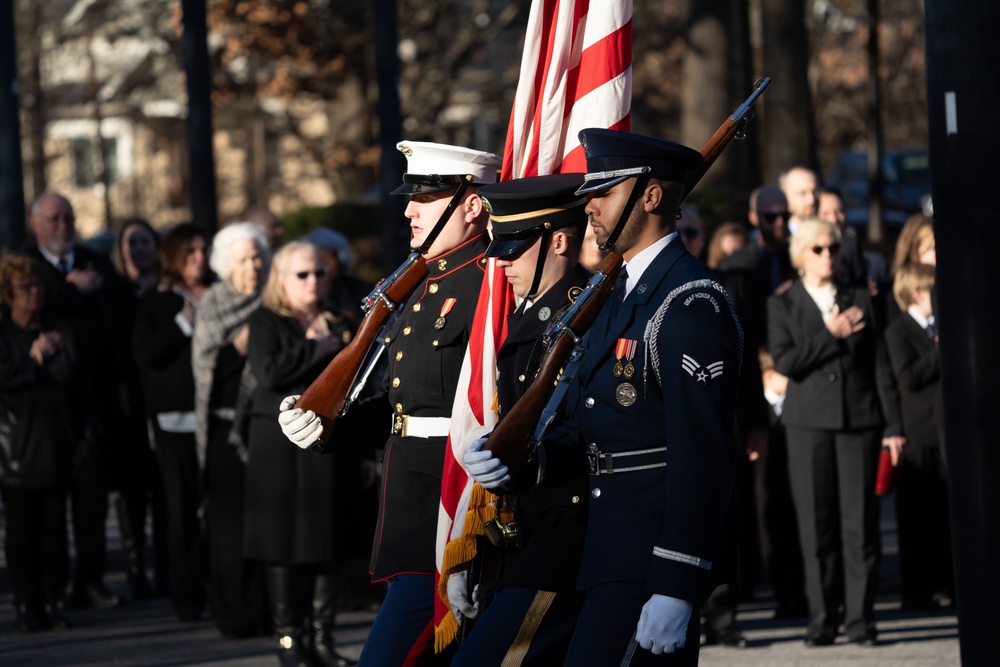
(302, 275)
(770, 217)
(690, 232)
(834, 249)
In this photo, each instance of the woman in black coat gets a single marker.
(838, 410)
(162, 344)
(291, 509)
(45, 424)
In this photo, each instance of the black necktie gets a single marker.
(618, 294)
(63, 265)
(931, 330)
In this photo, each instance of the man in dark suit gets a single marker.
(537, 231)
(652, 406)
(750, 275)
(85, 290)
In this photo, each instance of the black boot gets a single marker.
(324, 609)
(135, 571)
(284, 597)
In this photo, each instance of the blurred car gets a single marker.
(906, 190)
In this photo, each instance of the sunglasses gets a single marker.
(302, 275)
(690, 232)
(834, 248)
(771, 217)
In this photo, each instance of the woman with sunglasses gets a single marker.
(838, 410)
(291, 495)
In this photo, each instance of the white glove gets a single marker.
(663, 624)
(485, 468)
(302, 427)
(461, 603)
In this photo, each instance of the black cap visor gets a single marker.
(423, 184)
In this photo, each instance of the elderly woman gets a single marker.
(218, 354)
(43, 425)
(162, 344)
(291, 495)
(837, 412)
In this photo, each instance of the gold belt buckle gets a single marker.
(399, 425)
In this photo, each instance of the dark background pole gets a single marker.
(198, 68)
(962, 100)
(12, 218)
(392, 164)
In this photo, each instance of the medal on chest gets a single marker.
(446, 307)
(625, 349)
(625, 393)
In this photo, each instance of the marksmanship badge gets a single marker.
(626, 394)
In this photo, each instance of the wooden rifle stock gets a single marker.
(328, 395)
(512, 439)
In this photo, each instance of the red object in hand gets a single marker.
(885, 478)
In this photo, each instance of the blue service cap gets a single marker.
(614, 156)
(521, 209)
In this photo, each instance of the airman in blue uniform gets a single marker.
(652, 407)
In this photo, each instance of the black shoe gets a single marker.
(291, 652)
(820, 639)
(26, 620)
(327, 656)
(95, 595)
(868, 639)
(732, 638)
(56, 620)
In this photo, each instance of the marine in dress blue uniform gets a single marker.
(537, 226)
(653, 406)
(424, 347)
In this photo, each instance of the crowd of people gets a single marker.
(166, 377)
(153, 378)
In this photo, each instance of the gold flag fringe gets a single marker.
(458, 554)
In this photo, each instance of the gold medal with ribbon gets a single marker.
(625, 349)
(446, 307)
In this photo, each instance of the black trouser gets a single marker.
(178, 459)
(35, 544)
(833, 482)
(924, 526)
(779, 531)
(239, 605)
(90, 509)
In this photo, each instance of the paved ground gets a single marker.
(145, 634)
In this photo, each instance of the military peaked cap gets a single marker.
(523, 208)
(614, 156)
(434, 167)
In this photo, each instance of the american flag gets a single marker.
(576, 72)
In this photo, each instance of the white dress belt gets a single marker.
(406, 426)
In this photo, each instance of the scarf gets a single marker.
(221, 314)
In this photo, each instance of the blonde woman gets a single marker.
(291, 495)
(837, 412)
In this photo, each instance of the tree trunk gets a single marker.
(788, 130)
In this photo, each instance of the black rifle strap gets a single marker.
(637, 189)
(443, 220)
(543, 250)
